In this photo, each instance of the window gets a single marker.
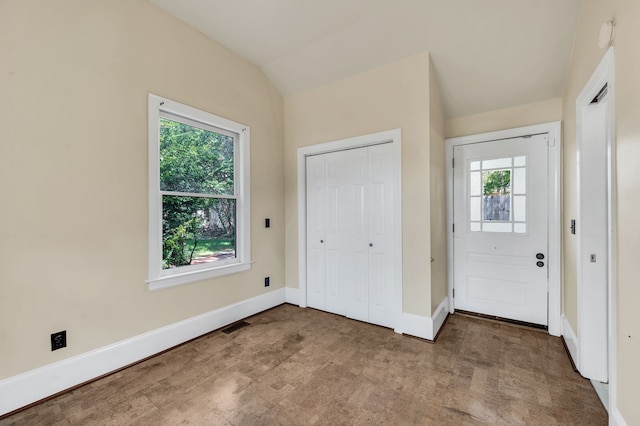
(198, 194)
(497, 195)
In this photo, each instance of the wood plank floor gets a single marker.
(295, 366)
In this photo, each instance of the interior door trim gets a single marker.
(553, 129)
(393, 137)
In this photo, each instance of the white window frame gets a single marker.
(157, 277)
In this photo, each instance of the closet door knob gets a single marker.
(370, 244)
(322, 241)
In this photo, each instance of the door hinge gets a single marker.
(453, 227)
(454, 293)
(453, 162)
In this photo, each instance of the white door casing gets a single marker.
(393, 295)
(349, 238)
(500, 237)
(553, 256)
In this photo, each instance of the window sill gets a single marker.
(173, 280)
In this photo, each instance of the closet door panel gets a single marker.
(315, 232)
(334, 241)
(355, 231)
(381, 223)
(350, 228)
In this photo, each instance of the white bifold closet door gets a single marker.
(349, 233)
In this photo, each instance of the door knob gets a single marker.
(370, 244)
(539, 256)
(540, 264)
(322, 241)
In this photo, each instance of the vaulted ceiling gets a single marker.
(488, 54)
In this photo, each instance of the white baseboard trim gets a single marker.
(602, 390)
(31, 386)
(616, 419)
(292, 295)
(440, 315)
(417, 325)
(570, 339)
(425, 327)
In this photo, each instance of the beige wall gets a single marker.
(392, 96)
(586, 56)
(438, 185)
(74, 78)
(508, 118)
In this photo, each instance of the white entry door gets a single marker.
(350, 233)
(501, 228)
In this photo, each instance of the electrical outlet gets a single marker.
(59, 340)
(266, 281)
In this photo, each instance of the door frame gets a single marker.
(394, 137)
(553, 129)
(604, 74)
